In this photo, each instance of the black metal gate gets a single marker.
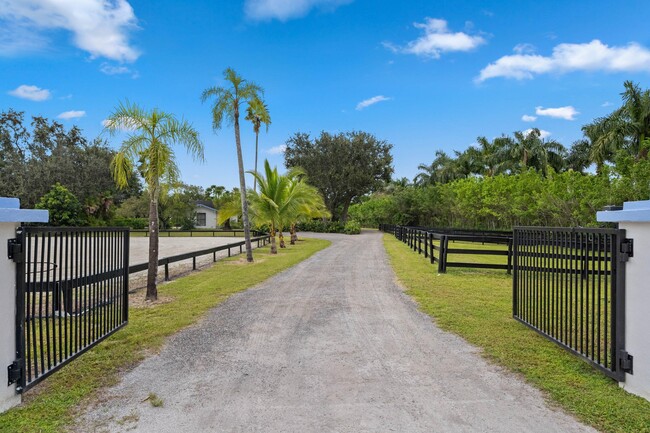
(71, 293)
(569, 285)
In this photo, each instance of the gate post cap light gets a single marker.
(10, 212)
(632, 211)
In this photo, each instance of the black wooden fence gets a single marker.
(569, 285)
(438, 244)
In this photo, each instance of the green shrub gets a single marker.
(63, 206)
(319, 226)
(352, 228)
(133, 223)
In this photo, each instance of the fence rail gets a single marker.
(423, 241)
(199, 232)
(165, 261)
(569, 285)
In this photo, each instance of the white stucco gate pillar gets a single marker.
(635, 219)
(10, 218)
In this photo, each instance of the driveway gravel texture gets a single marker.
(330, 345)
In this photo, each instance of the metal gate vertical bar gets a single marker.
(569, 285)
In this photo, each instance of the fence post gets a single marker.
(634, 256)
(11, 323)
(510, 242)
(442, 261)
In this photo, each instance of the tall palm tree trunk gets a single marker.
(242, 187)
(257, 135)
(152, 270)
(274, 248)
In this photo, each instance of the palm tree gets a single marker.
(532, 151)
(228, 103)
(257, 113)
(150, 137)
(491, 152)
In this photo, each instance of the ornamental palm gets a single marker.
(150, 137)
(257, 113)
(532, 151)
(228, 104)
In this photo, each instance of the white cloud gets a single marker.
(113, 70)
(371, 101)
(606, 104)
(73, 114)
(437, 39)
(284, 10)
(277, 150)
(527, 118)
(524, 49)
(33, 93)
(106, 123)
(566, 113)
(592, 56)
(99, 27)
(542, 133)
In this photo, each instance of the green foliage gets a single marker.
(32, 160)
(352, 228)
(320, 226)
(343, 167)
(133, 223)
(64, 207)
(500, 202)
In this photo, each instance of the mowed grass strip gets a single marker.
(477, 305)
(51, 406)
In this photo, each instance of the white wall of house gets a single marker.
(210, 217)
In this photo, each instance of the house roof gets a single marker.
(206, 204)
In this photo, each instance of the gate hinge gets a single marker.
(14, 372)
(15, 250)
(627, 249)
(626, 362)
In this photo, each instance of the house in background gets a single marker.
(206, 215)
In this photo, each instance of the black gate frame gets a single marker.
(620, 248)
(18, 250)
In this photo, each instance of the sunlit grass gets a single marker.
(51, 405)
(477, 305)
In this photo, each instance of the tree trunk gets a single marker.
(294, 236)
(282, 244)
(152, 270)
(257, 135)
(274, 248)
(242, 186)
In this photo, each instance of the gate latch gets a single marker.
(14, 372)
(626, 362)
(627, 249)
(14, 250)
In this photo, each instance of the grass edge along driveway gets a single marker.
(51, 406)
(477, 305)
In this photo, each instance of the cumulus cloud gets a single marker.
(277, 150)
(33, 93)
(73, 114)
(371, 101)
(542, 133)
(566, 113)
(592, 56)
(527, 118)
(284, 10)
(99, 27)
(437, 39)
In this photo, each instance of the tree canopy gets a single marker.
(342, 166)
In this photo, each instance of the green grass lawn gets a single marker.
(52, 405)
(477, 305)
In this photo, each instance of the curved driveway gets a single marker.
(330, 345)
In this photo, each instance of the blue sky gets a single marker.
(423, 75)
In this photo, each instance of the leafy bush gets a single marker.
(133, 223)
(352, 228)
(63, 206)
(319, 226)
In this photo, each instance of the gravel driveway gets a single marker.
(331, 345)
